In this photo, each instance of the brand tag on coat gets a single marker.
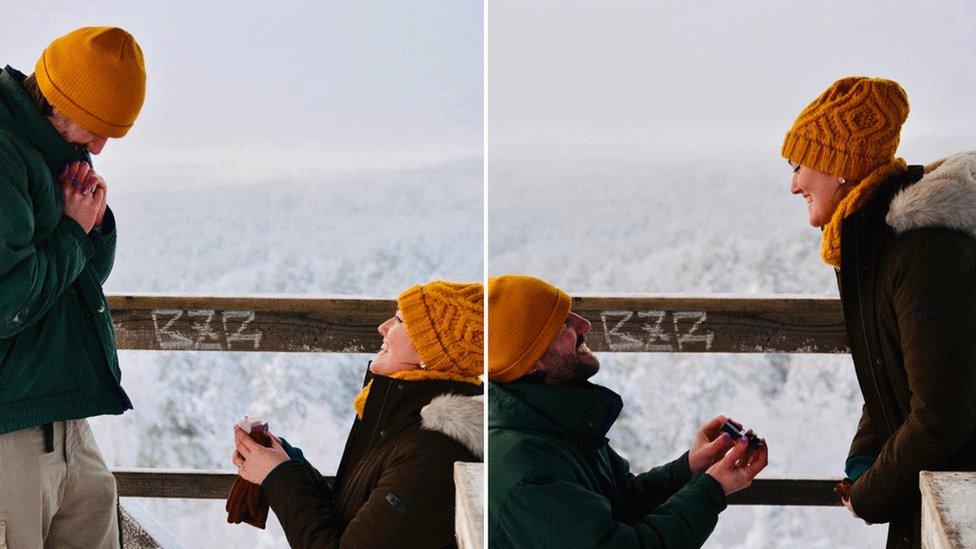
(927, 313)
(396, 503)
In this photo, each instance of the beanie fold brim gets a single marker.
(827, 159)
(550, 329)
(72, 110)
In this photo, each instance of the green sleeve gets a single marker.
(940, 364)
(103, 240)
(33, 275)
(548, 512)
(641, 494)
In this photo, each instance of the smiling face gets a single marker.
(568, 360)
(397, 352)
(822, 192)
(74, 133)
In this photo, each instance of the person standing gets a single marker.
(903, 242)
(58, 360)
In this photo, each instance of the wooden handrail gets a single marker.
(641, 324)
(622, 323)
(202, 484)
(263, 324)
(747, 324)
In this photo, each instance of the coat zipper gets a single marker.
(864, 329)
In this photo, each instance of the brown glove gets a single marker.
(246, 502)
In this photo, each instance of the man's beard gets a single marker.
(572, 370)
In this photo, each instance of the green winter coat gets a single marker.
(908, 286)
(553, 481)
(57, 343)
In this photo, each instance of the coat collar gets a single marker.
(440, 405)
(945, 197)
(459, 417)
(583, 414)
(21, 117)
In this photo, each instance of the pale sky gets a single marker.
(263, 88)
(646, 80)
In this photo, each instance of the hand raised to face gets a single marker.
(83, 194)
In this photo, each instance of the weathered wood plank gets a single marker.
(948, 509)
(675, 324)
(469, 508)
(197, 484)
(173, 483)
(733, 324)
(140, 529)
(788, 491)
(264, 324)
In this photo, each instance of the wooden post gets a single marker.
(469, 509)
(948, 510)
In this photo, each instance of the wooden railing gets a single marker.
(628, 324)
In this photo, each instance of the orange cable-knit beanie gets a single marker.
(525, 314)
(851, 129)
(96, 76)
(445, 321)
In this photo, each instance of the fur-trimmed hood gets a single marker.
(459, 417)
(945, 197)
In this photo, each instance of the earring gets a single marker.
(843, 181)
(423, 366)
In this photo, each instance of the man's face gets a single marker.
(568, 360)
(74, 133)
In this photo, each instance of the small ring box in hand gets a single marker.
(246, 502)
(737, 431)
(257, 429)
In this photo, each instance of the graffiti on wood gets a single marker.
(656, 331)
(205, 330)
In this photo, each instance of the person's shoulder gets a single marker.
(529, 455)
(933, 247)
(15, 156)
(431, 446)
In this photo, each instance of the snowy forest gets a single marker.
(697, 228)
(369, 234)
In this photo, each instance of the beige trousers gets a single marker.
(65, 498)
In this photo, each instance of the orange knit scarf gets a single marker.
(856, 197)
(359, 403)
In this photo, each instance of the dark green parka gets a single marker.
(908, 286)
(395, 482)
(554, 481)
(58, 358)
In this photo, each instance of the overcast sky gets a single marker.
(683, 80)
(257, 87)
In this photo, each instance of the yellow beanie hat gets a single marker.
(525, 315)
(96, 76)
(445, 321)
(851, 129)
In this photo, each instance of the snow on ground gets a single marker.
(370, 234)
(712, 226)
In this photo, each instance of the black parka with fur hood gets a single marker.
(395, 483)
(908, 286)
